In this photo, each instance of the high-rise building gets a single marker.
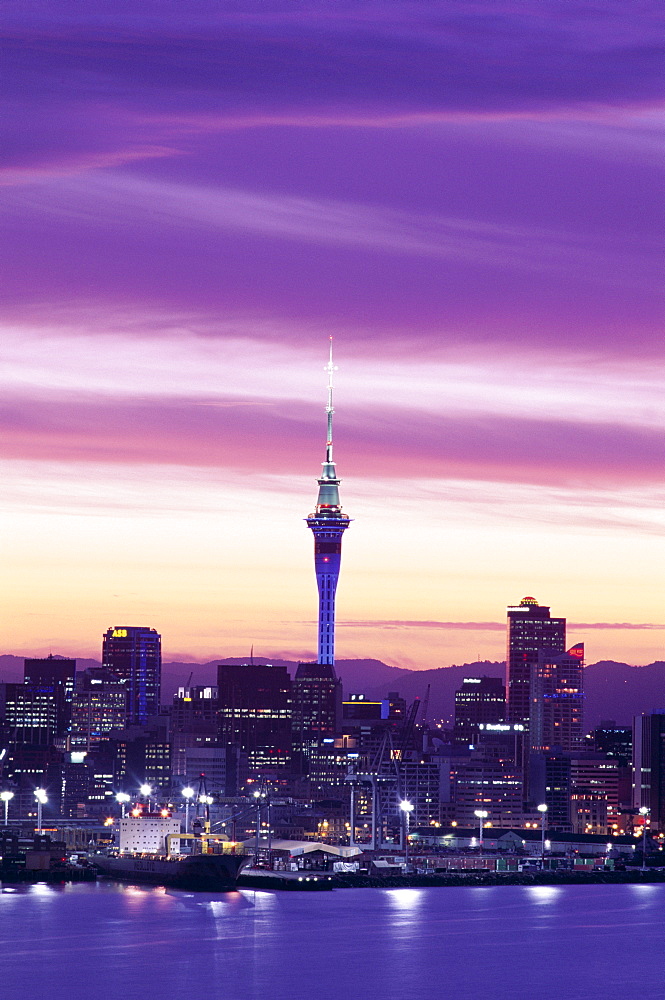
(194, 726)
(530, 629)
(557, 700)
(31, 714)
(255, 715)
(99, 705)
(135, 655)
(316, 704)
(478, 702)
(58, 675)
(649, 766)
(328, 524)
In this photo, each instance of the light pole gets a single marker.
(122, 798)
(482, 814)
(6, 796)
(146, 792)
(257, 796)
(542, 809)
(644, 812)
(207, 800)
(407, 809)
(42, 799)
(187, 794)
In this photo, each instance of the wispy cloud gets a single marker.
(490, 626)
(115, 198)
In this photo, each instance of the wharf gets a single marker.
(13, 875)
(489, 878)
(303, 881)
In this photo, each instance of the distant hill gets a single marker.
(443, 682)
(356, 675)
(619, 691)
(613, 690)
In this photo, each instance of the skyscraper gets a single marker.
(255, 715)
(135, 655)
(99, 705)
(557, 700)
(649, 766)
(328, 524)
(479, 701)
(530, 629)
(316, 704)
(56, 674)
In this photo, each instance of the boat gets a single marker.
(207, 872)
(146, 854)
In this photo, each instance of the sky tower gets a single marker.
(328, 525)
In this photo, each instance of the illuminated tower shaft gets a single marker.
(328, 524)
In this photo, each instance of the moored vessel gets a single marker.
(208, 872)
(149, 851)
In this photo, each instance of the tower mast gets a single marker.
(328, 524)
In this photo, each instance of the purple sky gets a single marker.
(468, 196)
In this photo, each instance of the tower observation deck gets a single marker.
(328, 524)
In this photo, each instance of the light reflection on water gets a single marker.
(108, 942)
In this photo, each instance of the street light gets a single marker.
(122, 798)
(6, 796)
(187, 794)
(407, 809)
(42, 799)
(258, 796)
(542, 809)
(146, 791)
(644, 812)
(482, 814)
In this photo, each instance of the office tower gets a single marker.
(649, 766)
(98, 706)
(194, 708)
(479, 782)
(194, 726)
(530, 629)
(255, 715)
(135, 655)
(316, 704)
(557, 700)
(478, 702)
(328, 524)
(550, 782)
(58, 675)
(594, 795)
(32, 714)
(614, 741)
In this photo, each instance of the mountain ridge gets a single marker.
(613, 689)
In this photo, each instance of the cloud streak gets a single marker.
(248, 434)
(493, 626)
(110, 198)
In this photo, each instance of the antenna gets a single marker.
(331, 369)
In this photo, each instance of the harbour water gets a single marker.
(108, 941)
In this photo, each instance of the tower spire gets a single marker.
(328, 523)
(331, 369)
(329, 496)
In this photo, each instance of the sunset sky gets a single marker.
(467, 195)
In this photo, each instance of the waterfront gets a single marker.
(108, 941)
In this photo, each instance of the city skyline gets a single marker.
(224, 192)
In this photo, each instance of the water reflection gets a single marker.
(42, 891)
(543, 894)
(405, 900)
(387, 943)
